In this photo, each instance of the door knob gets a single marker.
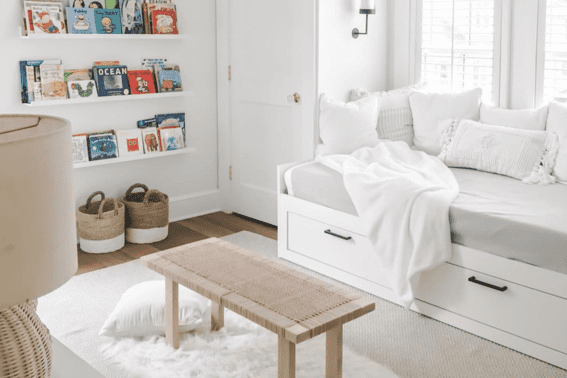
(294, 98)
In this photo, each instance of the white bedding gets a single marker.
(405, 194)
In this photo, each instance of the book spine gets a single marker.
(24, 83)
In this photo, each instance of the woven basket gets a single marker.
(101, 225)
(147, 215)
(25, 344)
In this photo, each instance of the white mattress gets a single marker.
(493, 213)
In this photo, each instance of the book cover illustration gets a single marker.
(129, 142)
(80, 149)
(132, 20)
(80, 74)
(141, 81)
(171, 138)
(111, 80)
(173, 119)
(28, 17)
(108, 21)
(81, 20)
(46, 18)
(102, 147)
(151, 63)
(53, 85)
(93, 4)
(112, 4)
(164, 21)
(145, 123)
(148, 10)
(101, 63)
(82, 89)
(27, 78)
(150, 138)
(169, 79)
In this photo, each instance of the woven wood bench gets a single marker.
(283, 300)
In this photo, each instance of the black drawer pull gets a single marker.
(474, 280)
(338, 236)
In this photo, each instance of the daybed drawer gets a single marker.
(522, 311)
(336, 247)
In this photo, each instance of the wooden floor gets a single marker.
(182, 232)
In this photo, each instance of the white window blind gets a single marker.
(458, 45)
(555, 63)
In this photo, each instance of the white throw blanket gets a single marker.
(404, 196)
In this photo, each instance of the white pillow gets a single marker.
(346, 127)
(430, 109)
(526, 155)
(394, 119)
(140, 311)
(525, 119)
(557, 123)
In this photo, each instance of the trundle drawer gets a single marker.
(336, 247)
(519, 310)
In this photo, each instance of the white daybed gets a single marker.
(526, 307)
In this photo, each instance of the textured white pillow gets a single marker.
(140, 311)
(346, 127)
(394, 120)
(525, 119)
(526, 155)
(430, 109)
(557, 123)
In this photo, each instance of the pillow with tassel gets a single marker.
(526, 155)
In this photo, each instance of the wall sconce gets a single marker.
(366, 7)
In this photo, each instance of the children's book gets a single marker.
(53, 85)
(148, 10)
(106, 63)
(164, 21)
(111, 80)
(108, 21)
(82, 89)
(28, 78)
(173, 119)
(169, 79)
(150, 139)
(141, 81)
(80, 148)
(81, 74)
(145, 123)
(129, 142)
(102, 147)
(93, 4)
(132, 20)
(81, 20)
(171, 138)
(45, 17)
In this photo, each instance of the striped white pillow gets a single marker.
(395, 121)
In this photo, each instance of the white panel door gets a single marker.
(272, 97)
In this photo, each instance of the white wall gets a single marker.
(523, 31)
(345, 63)
(190, 180)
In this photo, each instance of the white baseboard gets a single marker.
(193, 205)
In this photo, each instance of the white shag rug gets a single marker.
(241, 349)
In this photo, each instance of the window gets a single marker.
(460, 45)
(553, 79)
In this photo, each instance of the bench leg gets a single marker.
(334, 353)
(286, 358)
(172, 313)
(217, 316)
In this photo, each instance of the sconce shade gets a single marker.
(38, 245)
(366, 6)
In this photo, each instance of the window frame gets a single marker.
(501, 50)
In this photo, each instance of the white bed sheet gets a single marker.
(493, 213)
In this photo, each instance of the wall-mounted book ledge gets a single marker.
(133, 158)
(148, 96)
(110, 37)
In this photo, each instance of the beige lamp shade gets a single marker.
(38, 244)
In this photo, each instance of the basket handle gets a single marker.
(93, 196)
(153, 191)
(101, 208)
(129, 191)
